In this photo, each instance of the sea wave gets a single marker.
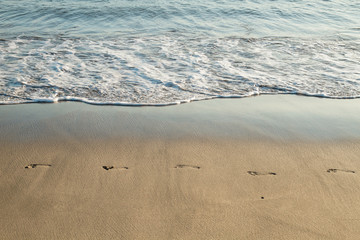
(174, 68)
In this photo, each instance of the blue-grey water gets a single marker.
(165, 52)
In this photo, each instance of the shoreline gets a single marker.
(274, 117)
(167, 104)
(270, 167)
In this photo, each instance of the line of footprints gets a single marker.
(252, 173)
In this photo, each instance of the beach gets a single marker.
(179, 119)
(267, 167)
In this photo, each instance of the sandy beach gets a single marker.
(268, 167)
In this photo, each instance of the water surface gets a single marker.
(167, 52)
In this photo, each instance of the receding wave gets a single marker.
(173, 68)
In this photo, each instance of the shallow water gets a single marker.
(167, 52)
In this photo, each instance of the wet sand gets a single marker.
(269, 167)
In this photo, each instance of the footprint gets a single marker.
(34, 165)
(254, 173)
(334, 170)
(112, 167)
(187, 166)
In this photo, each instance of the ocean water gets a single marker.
(142, 52)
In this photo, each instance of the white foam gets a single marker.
(167, 70)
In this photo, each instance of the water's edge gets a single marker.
(86, 101)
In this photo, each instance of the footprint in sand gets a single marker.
(254, 173)
(334, 170)
(34, 165)
(187, 166)
(112, 167)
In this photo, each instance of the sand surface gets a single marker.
(270, 167)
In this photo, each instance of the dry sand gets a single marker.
(270, 167)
